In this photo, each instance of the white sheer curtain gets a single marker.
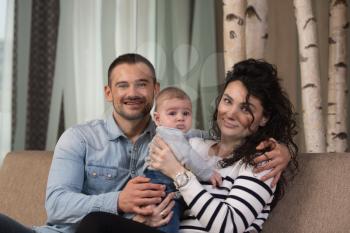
(88, 74)
(6, 82)
(78, 72)
(136, 28)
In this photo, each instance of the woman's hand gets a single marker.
(163, 159)
(216, 179)
(277, 159)
(161, 214)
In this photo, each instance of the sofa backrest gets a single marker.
(318, 199)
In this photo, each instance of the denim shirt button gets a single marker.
(94, 174)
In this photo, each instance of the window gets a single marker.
(3, 8)
(6, 45)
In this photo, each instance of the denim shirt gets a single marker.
(92, 162)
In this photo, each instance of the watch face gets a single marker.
(181, 179)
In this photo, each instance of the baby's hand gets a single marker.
(216, 179)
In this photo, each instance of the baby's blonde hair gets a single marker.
(170, 93)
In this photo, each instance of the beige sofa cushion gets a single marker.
(23, 178)
(318, 200)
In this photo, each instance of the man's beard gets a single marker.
(132, 117)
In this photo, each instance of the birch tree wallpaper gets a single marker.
(323, 118)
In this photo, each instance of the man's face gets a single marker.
(131, 91)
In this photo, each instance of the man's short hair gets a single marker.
(130, 58)
(170, 93)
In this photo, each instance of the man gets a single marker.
(97, 166)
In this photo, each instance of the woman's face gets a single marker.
(234, 118)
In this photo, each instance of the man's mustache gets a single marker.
(134, 98)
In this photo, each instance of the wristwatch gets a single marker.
(182, 178)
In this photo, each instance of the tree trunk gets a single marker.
(310, 77)
(234, 36)
(256, 28)
(337, 71)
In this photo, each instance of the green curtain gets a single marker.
(186, 35)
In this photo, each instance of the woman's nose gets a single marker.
(233, 112)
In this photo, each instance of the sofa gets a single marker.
(317, 200)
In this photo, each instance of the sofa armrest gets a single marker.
(23, 177)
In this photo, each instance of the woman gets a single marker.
(251, 108)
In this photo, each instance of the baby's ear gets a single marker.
(156, 118)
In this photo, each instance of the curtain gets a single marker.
(187, 54)
(14, 75)
(6, 81)
(87, 60)
(22, 48)
(41, 70)
(78, 87)
(64, 83)
(206, 79)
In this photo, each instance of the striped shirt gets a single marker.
(240, 204)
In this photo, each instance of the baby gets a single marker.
(173, 116)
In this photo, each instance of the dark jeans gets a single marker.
(8, 225)
(101, 222)
(159, 178)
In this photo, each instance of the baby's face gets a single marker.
(174, 113)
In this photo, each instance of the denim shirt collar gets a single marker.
(114, 132)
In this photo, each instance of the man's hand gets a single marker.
(277, 159)
(138, 193)
(161, 215)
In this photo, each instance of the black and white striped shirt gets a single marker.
(240, 204)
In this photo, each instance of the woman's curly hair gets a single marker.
(261, 81)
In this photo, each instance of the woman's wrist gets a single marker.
(182, 178)
(176, 171)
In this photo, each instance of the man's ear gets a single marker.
(156, 118)
(263, 121)
(156, 88)
(108, 93)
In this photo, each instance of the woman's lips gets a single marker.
(229, 124)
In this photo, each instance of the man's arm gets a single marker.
(65, 202)
(277, 159)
